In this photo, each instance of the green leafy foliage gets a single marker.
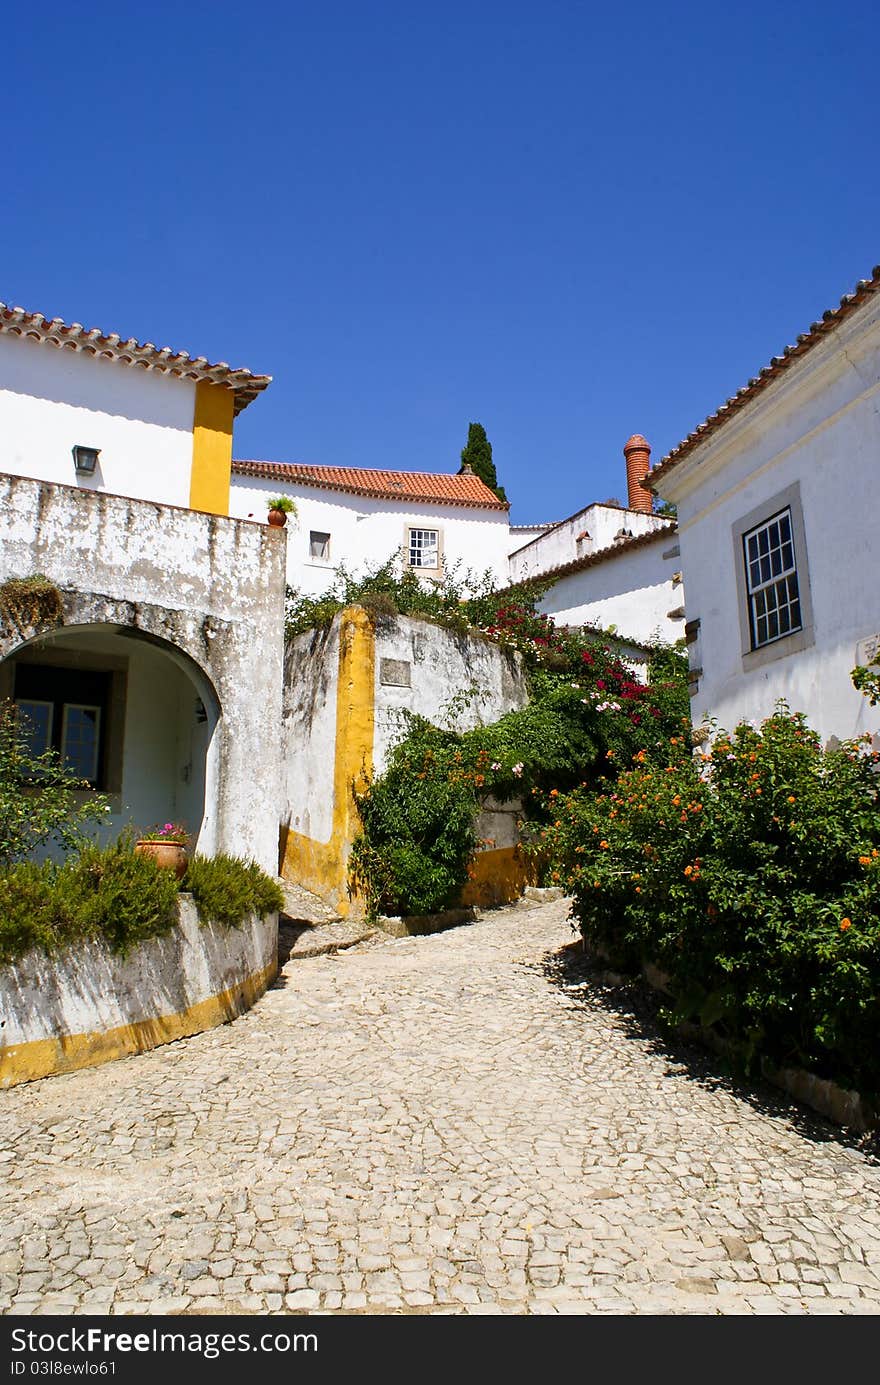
(228, 890)
(587, 713)
(751, 876)
(38, 804)
(460, 602)
(418, 825)
(29, 601)
(866, 678)
(107, 893)
(112, 894)
(477, 454)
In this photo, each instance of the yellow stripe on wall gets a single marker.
(37, 1058)
(322, 867)
(212, 449)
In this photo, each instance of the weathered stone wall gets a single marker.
(86, 1005)
(208, 588)
(344, 690)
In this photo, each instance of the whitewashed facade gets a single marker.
(613, 566)
(581, 535)
(141, 423)
(633, 588)
(85, 408)
(334, 526)
(779, 517)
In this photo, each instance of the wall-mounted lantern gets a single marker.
(85, 459)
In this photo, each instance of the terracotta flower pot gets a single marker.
(278, 518)
(167, 855)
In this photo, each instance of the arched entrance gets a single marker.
(130, 713)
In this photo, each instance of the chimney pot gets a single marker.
(637, 452)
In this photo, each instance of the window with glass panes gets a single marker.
(424, 548)
(64, 710)
(771, 580)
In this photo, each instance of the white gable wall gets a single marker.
(815, 428)
(562, 544)
(365, 532)
(633, 591)
(52, 398)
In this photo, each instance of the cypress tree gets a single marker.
(477, 454)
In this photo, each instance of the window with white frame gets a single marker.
(64, 710)
(772, 580)
(423, 548)
(319, 546)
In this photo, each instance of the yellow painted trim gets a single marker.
(322, 867)
(212, 449)
(68, 1052)
(497, 877)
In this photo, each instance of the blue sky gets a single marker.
(568, 221)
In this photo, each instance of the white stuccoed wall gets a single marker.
(521, 534)
(561, 544)
(211, 589)
(311, 680)
(440, 665)
(109, 1005)
(632, 591)
(141, 420)
(818, 426)
(366, 532)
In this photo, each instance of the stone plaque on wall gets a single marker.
(868, 651)
(395, 673)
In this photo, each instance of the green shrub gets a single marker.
(418, 826)
(106, 893)
(118, 896)
(37, 802)
(30, 914)
(456, 602)
(417, 841)
(752, 878)
(228, 890)
(121, 898)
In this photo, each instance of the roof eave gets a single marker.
(863, 292)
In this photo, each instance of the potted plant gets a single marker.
(279, 508)
(166, 845)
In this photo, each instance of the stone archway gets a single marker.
(133, 711)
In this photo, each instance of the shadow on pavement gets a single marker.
(584, 981)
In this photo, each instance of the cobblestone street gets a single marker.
(430, 1124)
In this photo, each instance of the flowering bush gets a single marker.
(418, 837)
(167, 832)
(751, 876)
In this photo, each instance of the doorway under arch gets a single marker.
(130, 713)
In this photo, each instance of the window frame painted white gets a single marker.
(423, 569)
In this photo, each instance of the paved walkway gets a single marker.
(431, 1124)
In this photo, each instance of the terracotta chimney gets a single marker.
(638, 463)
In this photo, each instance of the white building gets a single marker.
(779, 517)
(86, 408)
(157, 674)
(632, 587)
(612, 565)
(358, 518)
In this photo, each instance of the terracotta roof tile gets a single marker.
(428, 487)
(109, 346)
(863, 292)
